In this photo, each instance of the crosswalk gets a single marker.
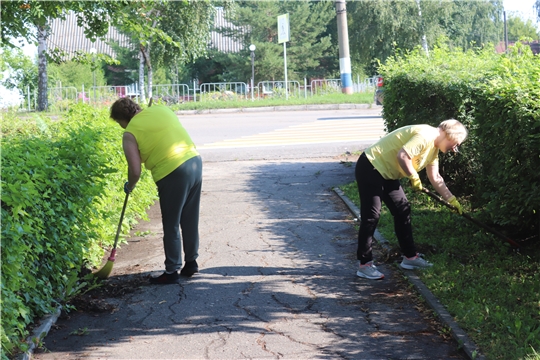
(317, 132)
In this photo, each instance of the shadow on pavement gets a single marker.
(277, 279)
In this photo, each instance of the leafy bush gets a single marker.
(61, 196)
(497, 98)
(508, 128)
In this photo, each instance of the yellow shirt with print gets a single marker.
(164, 143)
(418, 141)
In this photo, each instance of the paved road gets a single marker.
(277, 280)
(283, 134)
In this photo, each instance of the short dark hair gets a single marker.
(124, 109)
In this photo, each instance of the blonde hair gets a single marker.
(454, 130)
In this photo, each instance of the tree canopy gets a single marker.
(518, 28)
(20, 18)
(310, 52)
(378, 27)
(178, 29)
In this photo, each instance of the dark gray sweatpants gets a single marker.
(179, 199)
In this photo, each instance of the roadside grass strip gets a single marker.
(492, 291)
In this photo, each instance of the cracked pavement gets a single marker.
(277, 280)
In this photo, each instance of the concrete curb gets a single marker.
(39, 333)
(458, 334)
(279, 108)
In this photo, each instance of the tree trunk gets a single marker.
(146, 54)
(141, 77)
(42, 31)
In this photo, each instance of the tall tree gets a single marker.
(182, 33)
(309, 53)
(378, 27)
(518, 28)
(29, 19)
(21, 68)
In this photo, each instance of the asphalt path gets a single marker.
(277, 273)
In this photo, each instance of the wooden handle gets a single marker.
(471, 219)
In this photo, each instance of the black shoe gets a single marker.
(190, 268)
(165, 279)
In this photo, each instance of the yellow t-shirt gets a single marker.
(418, 141)
(163, 142)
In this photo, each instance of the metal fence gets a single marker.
(172, 93)
(277, 89)
(223, 91)
(60, 98)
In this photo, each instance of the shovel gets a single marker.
(107, 268)
(473, 220)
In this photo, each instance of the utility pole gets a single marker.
(343, 39)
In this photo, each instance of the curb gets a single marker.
(458, 334)
(39, 333)
(279, 108)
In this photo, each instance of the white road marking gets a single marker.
(317, 132)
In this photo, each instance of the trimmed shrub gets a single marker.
(508, 128)
(62, 191)
(497, 98)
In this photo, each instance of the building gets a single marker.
(67, 36)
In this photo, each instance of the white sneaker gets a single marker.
(369, 271)
(415, 262)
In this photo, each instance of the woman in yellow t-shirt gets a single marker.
(402, 153)
(156, 138)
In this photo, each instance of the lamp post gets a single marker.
(252, 49)
(93, 51)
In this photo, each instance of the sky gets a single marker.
(522, 8)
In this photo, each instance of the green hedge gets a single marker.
(508, 129)
(497, 97)
(62, 193)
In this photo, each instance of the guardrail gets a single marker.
(172, 93)
(60, 98)
(223, 91)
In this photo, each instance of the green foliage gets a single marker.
(378, 27)
(507, 119)
(421, 90)
(497, 98)
(358, 98)
(518, 28)
(309, 51)
(21, 70)
(74, 74)
(491, 292)
(61, 197)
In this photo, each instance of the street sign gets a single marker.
(283, 28)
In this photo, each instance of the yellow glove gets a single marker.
(416, 184)
(453, 201)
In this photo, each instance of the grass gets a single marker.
(336, 98)
(220, 101)
(492, 291)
